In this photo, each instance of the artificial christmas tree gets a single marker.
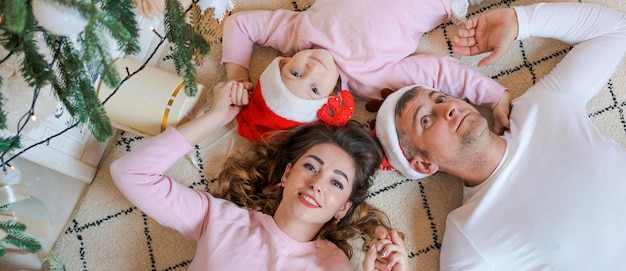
(65, 45)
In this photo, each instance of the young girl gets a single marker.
(361, 45)
(303, 193)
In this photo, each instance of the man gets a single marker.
(550, 193)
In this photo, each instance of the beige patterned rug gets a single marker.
(108, 233)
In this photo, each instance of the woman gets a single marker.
(310, 182)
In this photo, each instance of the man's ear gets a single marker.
(422, 166)
(343, 209)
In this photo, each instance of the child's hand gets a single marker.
(239, 92)
(501, 112)
(387, 252)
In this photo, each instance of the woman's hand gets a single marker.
(228, 97)
(387, 252)
(222, 112)
(494, 32)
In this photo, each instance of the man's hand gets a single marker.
(501, 112)
(494, 32)
(387, 252)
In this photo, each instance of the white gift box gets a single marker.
(149, 101)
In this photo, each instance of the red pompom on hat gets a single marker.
(273, 107)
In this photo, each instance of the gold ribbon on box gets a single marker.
(166, 112)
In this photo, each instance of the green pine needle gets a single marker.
(68, 76)
(16, 237)
(184, 40)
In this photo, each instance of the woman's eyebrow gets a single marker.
(339, 172)
(319, 160)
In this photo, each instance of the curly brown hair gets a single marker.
(251, 180)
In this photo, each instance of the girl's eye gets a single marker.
(337, 184)
(441, 99)
(295, 74)
(315, 90)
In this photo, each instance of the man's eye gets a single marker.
(295, 74)
(315, 90)
(441, 99)
(425, 121)
(337, 184)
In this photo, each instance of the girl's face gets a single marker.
(318, 185)
(310, 74)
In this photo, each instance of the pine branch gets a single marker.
(185, 40)
(95, 51)
(75, 90)
(121, 12)
(10, 143)
(3, 114)
(34, 66)
(15, 236)
(67, 73)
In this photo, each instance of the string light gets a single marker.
(155, 32)
(33, 117)
(4, 164)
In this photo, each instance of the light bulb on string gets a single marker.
(9, 175)
(33, 117)
(155, 32)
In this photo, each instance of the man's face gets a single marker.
(447, 128)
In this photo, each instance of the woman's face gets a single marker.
(310, 74)
(317, 187)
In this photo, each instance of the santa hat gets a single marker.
(273, 107)
(388, 135)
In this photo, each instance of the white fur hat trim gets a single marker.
(281, 101)
(388, 135)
